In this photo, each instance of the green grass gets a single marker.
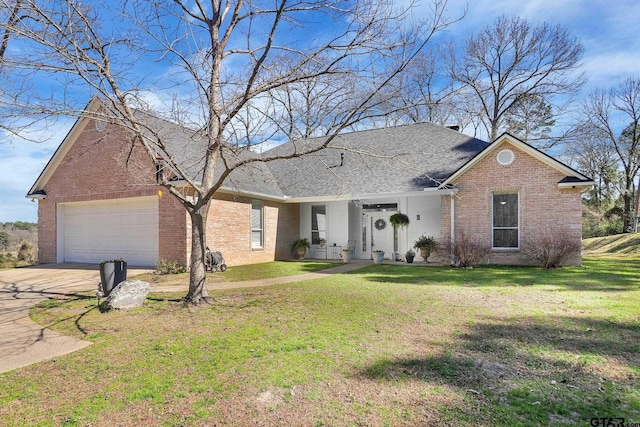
(272, 269)
(616, 244)
(266, 270)
(385, 345)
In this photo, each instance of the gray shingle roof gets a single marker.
(390, 160)
(188, 150)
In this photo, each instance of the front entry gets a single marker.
(381, 236)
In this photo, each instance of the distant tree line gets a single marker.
(13, 234)
(610, 154)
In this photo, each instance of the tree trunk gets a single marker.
(627, 217)
(637, 207)
(495, 126)
(198, 292)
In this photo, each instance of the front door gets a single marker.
(381, 233)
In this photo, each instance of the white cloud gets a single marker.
(609, 68)
(20, 165)
(608, 30)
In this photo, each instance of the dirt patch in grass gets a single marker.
(512, 347)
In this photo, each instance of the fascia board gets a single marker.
(576, 184)
(369, 196)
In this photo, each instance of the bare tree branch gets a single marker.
(237, 74)
(605, 112)
(512, 59)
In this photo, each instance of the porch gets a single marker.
(363, 225)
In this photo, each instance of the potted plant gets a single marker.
(112, 272)
(397, 220)
(299, 247)
(409, 255)
(347, 254)
(425, 244)
(378, 256)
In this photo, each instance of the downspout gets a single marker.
(453, 226)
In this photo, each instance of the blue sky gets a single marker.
(607, 28)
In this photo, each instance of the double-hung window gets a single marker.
(257, 224)
(506, 221)
(318, 224)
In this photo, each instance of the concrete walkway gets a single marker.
(23, 342)
(339, 268)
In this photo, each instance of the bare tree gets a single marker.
(597, 159)
(511, 60)
(604, 112)
(425, 93)
(229, 64)
(9, 16)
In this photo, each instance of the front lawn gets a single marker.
(385, 345)
(265, 270)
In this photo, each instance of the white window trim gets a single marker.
(502, 248)
(261, 229)
(319, 230)
(510, 157)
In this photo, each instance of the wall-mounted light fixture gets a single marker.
(418, 216)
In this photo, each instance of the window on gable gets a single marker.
(318, 224)
(506, 221)
(257, 224)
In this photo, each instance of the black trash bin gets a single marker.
(111, 274)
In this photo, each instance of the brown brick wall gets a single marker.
(102, 166)
(229, 229)
(172, 223)
(543, 206)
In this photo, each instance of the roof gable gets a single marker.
(185, 149)
(36, 190)
(573, 177)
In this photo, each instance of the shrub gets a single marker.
(165, 266)
(599, 224)
(8, 260)
(465, 252)
(550, 250)
(25, 253)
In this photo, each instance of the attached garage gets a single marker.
(91, 232)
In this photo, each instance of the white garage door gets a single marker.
(97, 231)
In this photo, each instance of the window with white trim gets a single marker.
(257, 224)
(318, 224)
(505, 221)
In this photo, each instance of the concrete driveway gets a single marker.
(23, 342)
